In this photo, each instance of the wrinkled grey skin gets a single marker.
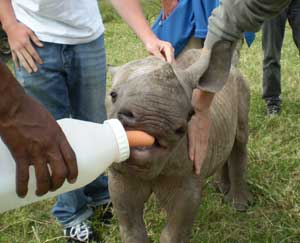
(153, 96)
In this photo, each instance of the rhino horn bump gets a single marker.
(112, 70)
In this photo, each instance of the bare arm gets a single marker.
(20, 38)
(131, 12)
(7, 16)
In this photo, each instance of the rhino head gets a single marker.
(152, 96)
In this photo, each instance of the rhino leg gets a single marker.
(238, 194)
(128, 195)
(180, 198)
(221, 180)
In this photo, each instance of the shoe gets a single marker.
(80, 233)
(273, 108)
(107, 214)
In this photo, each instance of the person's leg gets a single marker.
(87, 81)
(85, 70)
(294, 21)
(272, 38)
(87, 94)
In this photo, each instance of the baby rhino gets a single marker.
(155, 97)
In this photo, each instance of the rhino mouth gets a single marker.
(157, 146)
(141, 156)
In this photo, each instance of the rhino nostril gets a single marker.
(125, 114)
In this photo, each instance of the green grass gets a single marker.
(273, 175)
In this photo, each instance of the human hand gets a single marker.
(161, 49)
(198, 134)
(20, 39)
(168, 6)
(132, 13)
(33, 138)
(198, 128)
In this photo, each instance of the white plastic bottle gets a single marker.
(96, 147)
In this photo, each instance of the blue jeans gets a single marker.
(71, 82)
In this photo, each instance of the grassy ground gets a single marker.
(274, 168)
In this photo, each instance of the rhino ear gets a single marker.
(192, 75)
(185, 79)
(189, 69)
(112, 70)
(211, 79)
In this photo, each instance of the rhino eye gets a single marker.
(114, 96)
(181, 130)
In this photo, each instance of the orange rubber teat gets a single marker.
(139, 139)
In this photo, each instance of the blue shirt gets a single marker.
(202, 10)
(190, 17)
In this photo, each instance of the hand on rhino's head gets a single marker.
(152, 96)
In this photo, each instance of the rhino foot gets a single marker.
(240, 200)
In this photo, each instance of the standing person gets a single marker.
(59, 56)
(191, 20)
(272, 39)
